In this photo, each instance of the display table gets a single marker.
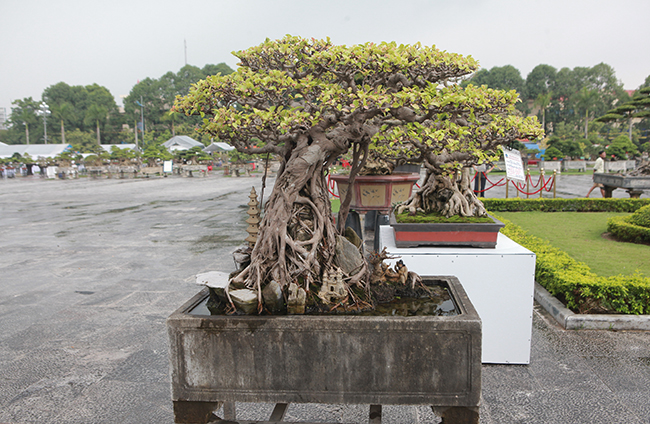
(499, 282)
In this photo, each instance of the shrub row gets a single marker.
(573, 282)
(635, 228)
(564, 205)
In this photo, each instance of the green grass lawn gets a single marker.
(580, 235)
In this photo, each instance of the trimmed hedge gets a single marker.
(641, 217)
(564, 205)
(571, 281)
(634, 228)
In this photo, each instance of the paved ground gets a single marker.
(90, 269)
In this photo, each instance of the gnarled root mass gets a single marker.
(447, 195)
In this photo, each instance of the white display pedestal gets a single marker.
(500, 282)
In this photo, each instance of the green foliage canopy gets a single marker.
(400, 97)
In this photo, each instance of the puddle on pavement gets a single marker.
(120, 210)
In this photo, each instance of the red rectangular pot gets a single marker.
(446, 234)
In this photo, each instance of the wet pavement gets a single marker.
(90, 270)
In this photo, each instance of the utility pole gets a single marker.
(142, 116)
(141, 121)
(45, 111)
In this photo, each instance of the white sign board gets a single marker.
(51, 171)
(168, 166)
(514, 165)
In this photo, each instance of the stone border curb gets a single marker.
(572, 321)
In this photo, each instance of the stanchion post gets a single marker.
(507, 186)
(541, 183)
(554, 185)
(527, 182)
(517, 188)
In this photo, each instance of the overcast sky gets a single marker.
(115, 43)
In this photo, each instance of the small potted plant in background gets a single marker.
(379, 184)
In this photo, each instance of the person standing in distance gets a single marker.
(599, 168)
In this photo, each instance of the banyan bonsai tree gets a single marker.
(309, 101)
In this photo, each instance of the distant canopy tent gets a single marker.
(35, 151)
(109, 147)
(219, 147)
(181, 142)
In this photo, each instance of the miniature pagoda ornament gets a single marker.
(333, 289)
(253, 220)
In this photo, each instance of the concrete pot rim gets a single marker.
(458, 294)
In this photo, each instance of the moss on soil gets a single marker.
(422, 218)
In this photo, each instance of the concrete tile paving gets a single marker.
(90, 270)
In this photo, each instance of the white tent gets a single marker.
(218, 147)
(34, 150)
(109, 147)
(181, 142)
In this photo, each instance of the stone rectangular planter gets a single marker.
(633, 185)
(446, 234)
(336, 359)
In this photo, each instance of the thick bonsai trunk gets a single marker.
(296, 242)
(448, 195)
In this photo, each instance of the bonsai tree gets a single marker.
(192, 156)
(637, 108)
(310, 101)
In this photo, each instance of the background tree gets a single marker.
(622, 148)
(81, 99)
(96, 114)
(24, 115)
(500, 78)
(123, 155)
(156, 153)
(63, 112)
(637, 109)
(82, 141)
(553, 153)
(543, 100)
(540, 81)
(192, 156)
(310, 101)
(158, 95)
(586, 99)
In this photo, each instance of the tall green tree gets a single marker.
(63, 112)
(540, 81)
(218, 69)
(501, 78)
(586, 100)
(82, 98)
(543, 100)
(24, 114)
(96, 114)
(157, 95)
